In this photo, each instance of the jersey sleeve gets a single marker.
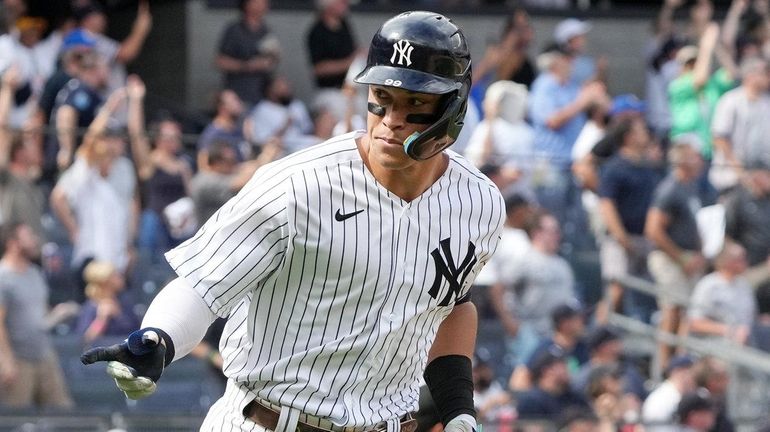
(240, 246)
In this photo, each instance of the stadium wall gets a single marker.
(622, 40)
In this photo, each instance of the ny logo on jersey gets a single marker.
(454, 274)
(403, 49)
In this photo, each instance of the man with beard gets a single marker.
(280, 118)
(29, 368)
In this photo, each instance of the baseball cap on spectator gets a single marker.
(570, 28)
(543, 359)
(679, 362)
(627, 103)
(699, 400)
(566, 311)
(82, 12)
(78, 39)
(600, 336)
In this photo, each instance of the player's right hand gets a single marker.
(461, 423)
(136, 364)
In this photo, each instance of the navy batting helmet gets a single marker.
(423, 52)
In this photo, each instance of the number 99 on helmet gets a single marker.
(423, 52)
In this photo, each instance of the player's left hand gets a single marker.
(135, 364)
(461, 423)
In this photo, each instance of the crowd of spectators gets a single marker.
(673, 187)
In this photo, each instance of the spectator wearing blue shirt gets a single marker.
(557, 110)
(571, 35)
(74, 110)
(105, 313)
(569, 326)
(626, 186)
(551, 395)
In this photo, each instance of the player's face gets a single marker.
(387, 133)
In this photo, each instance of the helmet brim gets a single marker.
(409, 79)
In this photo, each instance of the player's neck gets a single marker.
(411, 182)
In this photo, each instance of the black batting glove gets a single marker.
(137, 363)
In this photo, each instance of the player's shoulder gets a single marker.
(334, 151)
(470, 173)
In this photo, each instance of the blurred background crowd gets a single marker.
(630, 291)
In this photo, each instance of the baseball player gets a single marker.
(344, 269)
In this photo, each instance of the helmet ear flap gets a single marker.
(443, 133)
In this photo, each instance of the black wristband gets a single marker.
(168, 342)
(450, 381)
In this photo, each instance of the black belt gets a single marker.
(268, 418)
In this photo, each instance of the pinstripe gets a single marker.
(360, 358)
(205, 247)
(367, 349)
(305, 408)
(293, 303)
(330, 317)
(300, 368)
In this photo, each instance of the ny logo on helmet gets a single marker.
(403, 49)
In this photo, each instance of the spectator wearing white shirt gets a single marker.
(95, 197)
(503, 137)
(280, 116)
(659, 409)
(91, 17)
(35, 58)
(739, 127)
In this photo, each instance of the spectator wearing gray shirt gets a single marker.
(29, 368)
(723, 303)
(545, 282)
(212, 188)
(740, 127)
(747, 210)
(676, 263)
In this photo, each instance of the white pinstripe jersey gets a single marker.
(335, 317)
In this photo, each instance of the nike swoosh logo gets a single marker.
(339, 217)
